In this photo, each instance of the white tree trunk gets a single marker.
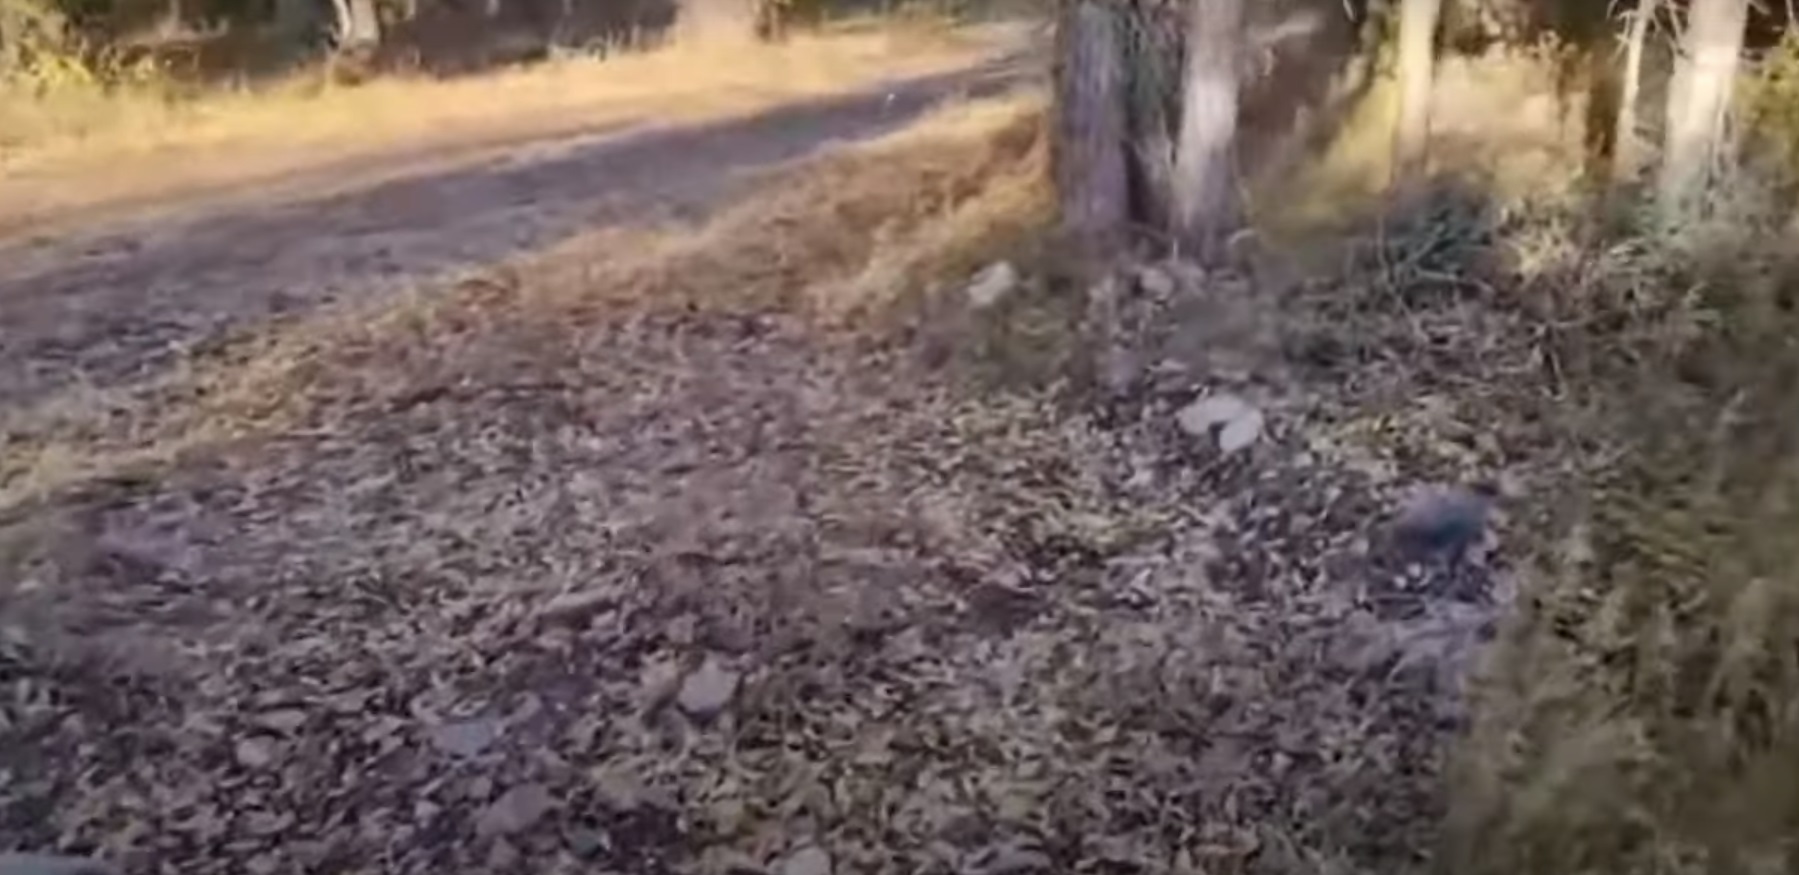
(1205, 185)
(1698, 101)
(358, 25)
(1417, 72)
(1090, 160)
(1627, 149)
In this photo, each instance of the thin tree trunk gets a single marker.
(1205, 187)
(358, 25)
(1704, 80)
(1090, 160)
(1417, 72)
(1626, 147)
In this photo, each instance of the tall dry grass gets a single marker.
(1641, 715)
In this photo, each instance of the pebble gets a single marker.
(707, 690)
(1443, 521)
(992, 285)
(465, 738)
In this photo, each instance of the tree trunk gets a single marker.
(1090, 161)
(1205, 185)
(358, 25)
(1698, 101)
(1417, 70)
(1627, 152)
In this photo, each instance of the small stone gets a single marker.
(1240, 433)
(1158, 282)
(254, 753)
(992, 285)
(586, 843)
(707, 690)
(1240, 424)
(809, 860)
(465, 738)
(1199, 418)
(1443, 521)
(516, 811)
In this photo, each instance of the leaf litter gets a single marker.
(718, 593)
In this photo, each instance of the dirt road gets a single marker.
(108, 306)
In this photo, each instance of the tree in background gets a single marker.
(1147, 107)
(1205, 186)
(1417, 67)
(1626, 143)
(1091, 168)
(1698, 101)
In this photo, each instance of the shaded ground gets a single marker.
(694, 583)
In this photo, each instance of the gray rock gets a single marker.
(1158, 282)
(992, 285)
(707, 690)
(1238, 423)
(1443, 522)
(465, 738)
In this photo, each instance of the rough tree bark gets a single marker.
(1205, 186)
(1417, 72)
(1090, 159)
(1627, 150)
(1698, 101)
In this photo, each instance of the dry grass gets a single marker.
(1643, 713)
(63, 159)
(1533, 150)
(1640, 711)
(848, 234)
